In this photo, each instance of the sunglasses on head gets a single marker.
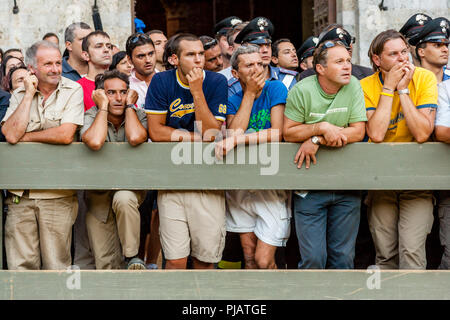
(137, 37)
(210, 44)
(330, 44)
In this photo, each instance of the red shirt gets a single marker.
(88, 87)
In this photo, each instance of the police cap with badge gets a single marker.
(336, 34)
(307, 48)
(437, 30)
(223, 26)
(258, 31)
(414, 25)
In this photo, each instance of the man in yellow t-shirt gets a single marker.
(401, 101)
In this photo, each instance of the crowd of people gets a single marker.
(244, 88)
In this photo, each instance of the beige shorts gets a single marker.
(192, 223)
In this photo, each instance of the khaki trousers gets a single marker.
(118, 236)
(38, 233)
(400, 222)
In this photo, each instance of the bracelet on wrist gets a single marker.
(386, 94)
(387, 89)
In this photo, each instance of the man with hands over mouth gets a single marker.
(401, 101)
(255, 115)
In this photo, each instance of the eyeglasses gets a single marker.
(137, 37)
(210, 44)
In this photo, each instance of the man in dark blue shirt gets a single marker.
(191, 222)
(74, 67)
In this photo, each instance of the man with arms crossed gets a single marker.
(326, 109)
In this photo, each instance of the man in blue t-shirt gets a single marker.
(191, 222)
(255, 115)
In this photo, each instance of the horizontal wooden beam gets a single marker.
(184, 166)
(225, 284)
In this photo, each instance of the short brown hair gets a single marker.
(377, 45)
(320, 55)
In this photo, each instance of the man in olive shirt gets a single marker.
(48, 109)
(113, 218)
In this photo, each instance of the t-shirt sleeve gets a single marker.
(13, 104)
(142, 116)
(74, 111)
(155, 102)
(358, 111)
(89, 118)
(233, 104)
(294, 108)
(217, 100)
(443, 110)
(368, 101)
(277, 93)
(427, 94)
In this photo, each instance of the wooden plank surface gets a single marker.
(225, 284)
(406, 166)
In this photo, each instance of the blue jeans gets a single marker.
(327, 224)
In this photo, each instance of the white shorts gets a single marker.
(266, 213)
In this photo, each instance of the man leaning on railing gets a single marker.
(48, 109)
(401, 101)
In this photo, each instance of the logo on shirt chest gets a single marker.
(178, 110)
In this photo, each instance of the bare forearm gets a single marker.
(354, 134)
(14, 128)
(418, 124)
(162, 133)
(301, 132)
(242, 117)
(378, 124)
(134, 130)
(52, 136)
(263, 136)
(443, 134)
(203, 114)
(95, 136)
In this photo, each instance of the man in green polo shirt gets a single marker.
(326, 109)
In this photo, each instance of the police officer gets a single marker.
(411, 28)
(336, 32)
(259, 32)
(305, 53)
(431, 47)
(220, 33)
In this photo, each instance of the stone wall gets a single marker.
(34, 20)
(365, 20)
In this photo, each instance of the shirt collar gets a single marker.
(181, 84)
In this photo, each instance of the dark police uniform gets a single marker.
(437, 31)
(222, 27)
(414, 25)
(338, 34)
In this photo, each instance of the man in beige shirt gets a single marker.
(48, 109)
(113, 220)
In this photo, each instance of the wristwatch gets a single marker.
(129, 106)
(315, 140)
(403, 91)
